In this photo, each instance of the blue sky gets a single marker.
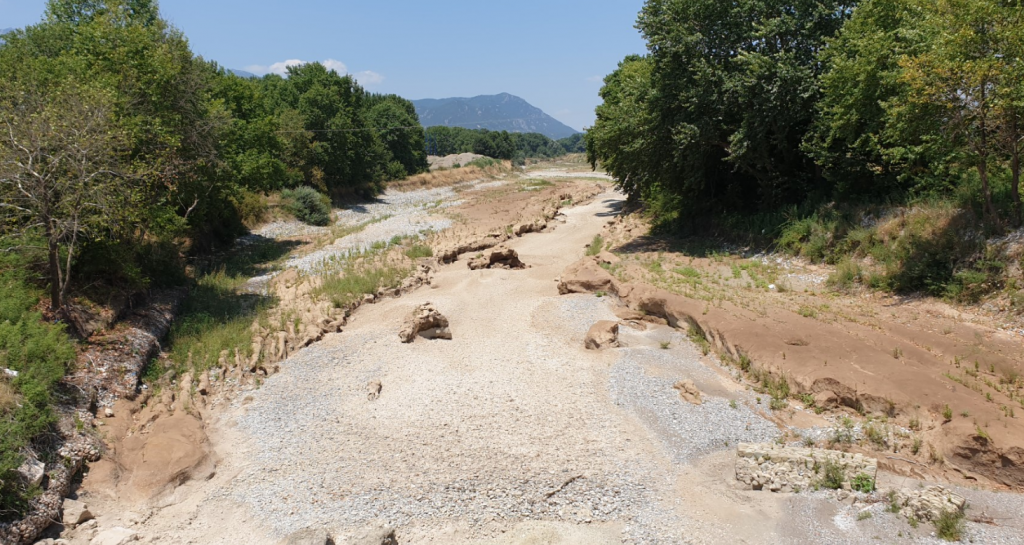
(552, 53)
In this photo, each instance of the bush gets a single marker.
(950, 525)
(40, 353)
(308, 205)
(832, 475)
(863, 483)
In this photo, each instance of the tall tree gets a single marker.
(59, 167)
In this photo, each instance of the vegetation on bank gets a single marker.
(128, 163)
(40, 353)
(883, 134)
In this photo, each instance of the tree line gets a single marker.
(121, 150)
(517, 147)
(122, 154)
(758, 107)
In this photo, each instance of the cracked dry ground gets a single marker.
(510, 433)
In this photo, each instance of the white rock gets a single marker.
(75, 512)
(32, 470)
(114, 536)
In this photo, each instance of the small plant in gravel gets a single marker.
(863, 483)
(950, 525)
(831, 475)
(864, 515)
(894, 506)
(665, 345)
(844, 433)
(916, 446)
(732, 404)
(808, 441)
(595, 246)
(807, 399)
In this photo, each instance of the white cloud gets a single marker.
(335, 65)
(368, 77)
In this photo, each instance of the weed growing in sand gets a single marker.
(864, 515)
(965, 414)
(697, 336)
(947, 413)
(595, 246)
(863, 483)
(665, 345)
(732, 404)
(832, 475)
(807, 312)
(915, 424)
(916, 446)
(950, 525)
(844, 433)
(897, 353)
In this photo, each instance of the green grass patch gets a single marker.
(417, 251)
(41, 353)
(595, 246)
(950, 525)
(352, 283)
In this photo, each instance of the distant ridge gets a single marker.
(242, 73)
(503, 112)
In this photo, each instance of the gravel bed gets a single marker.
(687, 431)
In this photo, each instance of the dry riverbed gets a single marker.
(509, 433)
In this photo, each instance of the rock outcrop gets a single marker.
(499, 258)
(689, 391)
(426, 322)
(791, 469)
(926, 504)
(603, 334)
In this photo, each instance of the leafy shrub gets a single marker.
(40, 353)
(846, 274)
(831, 476)
(251, 207)
(950, 525)
(308, 205)
(483, 162)
(863, 483)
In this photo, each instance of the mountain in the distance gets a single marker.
(242, 73)
(502, 112)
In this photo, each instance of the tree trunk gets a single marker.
(53, 254)
(1015, 169)
(990, 211)
(1015, 185)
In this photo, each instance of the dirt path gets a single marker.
(511, 433)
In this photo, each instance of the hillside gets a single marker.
(502, 112)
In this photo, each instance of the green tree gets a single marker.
(59, 172)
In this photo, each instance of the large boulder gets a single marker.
(688, 391)
(32, 470)
(499, 258)
(586, 276)
(114, 536)
(603, 334)
(75, 512)
(426, 322)
(927, 504)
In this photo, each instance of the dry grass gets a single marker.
(448, 177)
(8, 397)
